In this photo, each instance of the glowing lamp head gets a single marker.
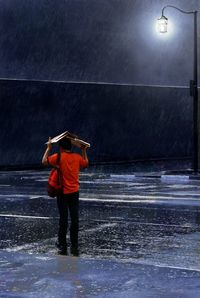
(162, 24)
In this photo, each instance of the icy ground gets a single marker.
(139, 237)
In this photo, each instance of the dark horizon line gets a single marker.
(93, 83)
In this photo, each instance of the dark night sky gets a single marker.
(110, 41)
(105, 41)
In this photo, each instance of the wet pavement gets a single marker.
(139, 237)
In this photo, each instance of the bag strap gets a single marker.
(58, 159)
(58, 170)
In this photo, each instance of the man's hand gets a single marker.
(46, 153)
(83, 147)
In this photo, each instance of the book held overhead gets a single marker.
(74, 139)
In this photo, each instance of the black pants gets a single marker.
(68, 202)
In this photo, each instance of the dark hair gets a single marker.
(65, 143)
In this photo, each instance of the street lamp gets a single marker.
(162, 23)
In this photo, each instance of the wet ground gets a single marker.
(134, 223)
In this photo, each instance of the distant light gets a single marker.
(162, 24)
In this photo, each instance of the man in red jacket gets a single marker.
(70, 165)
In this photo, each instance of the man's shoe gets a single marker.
(74, 251)
(62, 250)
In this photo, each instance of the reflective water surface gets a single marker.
(123, 216)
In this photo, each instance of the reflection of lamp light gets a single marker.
(162, 24)
(162, 28)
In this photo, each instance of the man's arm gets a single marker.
(46, 153)
(84, 153)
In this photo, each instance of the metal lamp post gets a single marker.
(162, 27)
